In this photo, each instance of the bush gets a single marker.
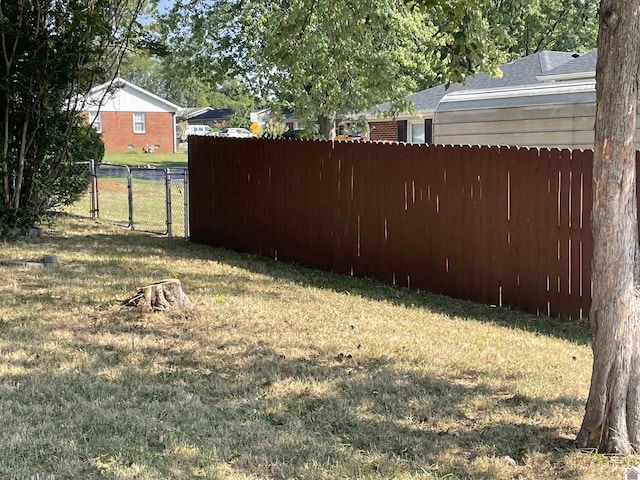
(85, 144)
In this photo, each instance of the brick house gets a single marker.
(132, 118)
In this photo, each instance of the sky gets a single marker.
(164, 5)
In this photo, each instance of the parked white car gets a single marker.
(237, 133)
(195, 130)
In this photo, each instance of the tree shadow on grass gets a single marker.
(138, 246)
(170, 412)
(167, 410)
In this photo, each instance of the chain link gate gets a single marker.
(113, 194)
(147, 199)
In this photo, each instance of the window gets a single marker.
(95, 120)
(417, 132)
(138, 122)
(422, 132)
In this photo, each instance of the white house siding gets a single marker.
(128, 99)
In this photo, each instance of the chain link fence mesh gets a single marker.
(83, 181)
(142, 198)
(149, 200)
(179, 202)
(113, 194)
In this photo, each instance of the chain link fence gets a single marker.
(141, 198)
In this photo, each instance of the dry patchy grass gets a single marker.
(275, 371)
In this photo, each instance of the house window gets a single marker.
(139, 122)
(422, 132)
(417, 132)
(95, 120)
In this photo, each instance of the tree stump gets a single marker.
(162, 295)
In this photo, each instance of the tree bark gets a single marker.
(327, 126)
(612, 418)
(162, 295)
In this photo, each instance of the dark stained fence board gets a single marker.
(496, 225)
(575, 233)
(516, 228)
(546, 202)
(491, 226)
(438, 239)
(587, 239)
(564, 237)
(555, 271)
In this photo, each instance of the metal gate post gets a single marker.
(130, 197)
(167, 174)
(92, 190)
(185, 189)
(97, 210)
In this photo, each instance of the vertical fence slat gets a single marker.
(510, 279)
(544, 205)
(491, 226)
(587, 240)
(531, 279)
(564, 237)
(575, 234)
(438, 241)
(473, 244)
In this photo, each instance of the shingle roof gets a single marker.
(584, 63)
(220, 114)
(519, 72)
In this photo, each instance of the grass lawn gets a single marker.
(273, 372)
(160, 160)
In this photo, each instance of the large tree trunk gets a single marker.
(327, 126)
(612, 419)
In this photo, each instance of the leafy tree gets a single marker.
(533, 25)
(171, 79)
(331, 57)
(612, 418)
(52, 53)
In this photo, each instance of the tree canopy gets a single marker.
(533, 25)
(52, 54)
(320, 58)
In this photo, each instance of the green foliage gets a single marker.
(320, 57)
(274, 128)
(464, 40)
(45, 73)
(533, 25)
(169, 78)
(85, 144)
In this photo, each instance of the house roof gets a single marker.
(219, 114)
(189, 112)
(519, 96)
(523, 71)
(98, 93)
(585, 64)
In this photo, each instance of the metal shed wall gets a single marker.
(548, 115)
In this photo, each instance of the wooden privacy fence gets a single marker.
(501, 226)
